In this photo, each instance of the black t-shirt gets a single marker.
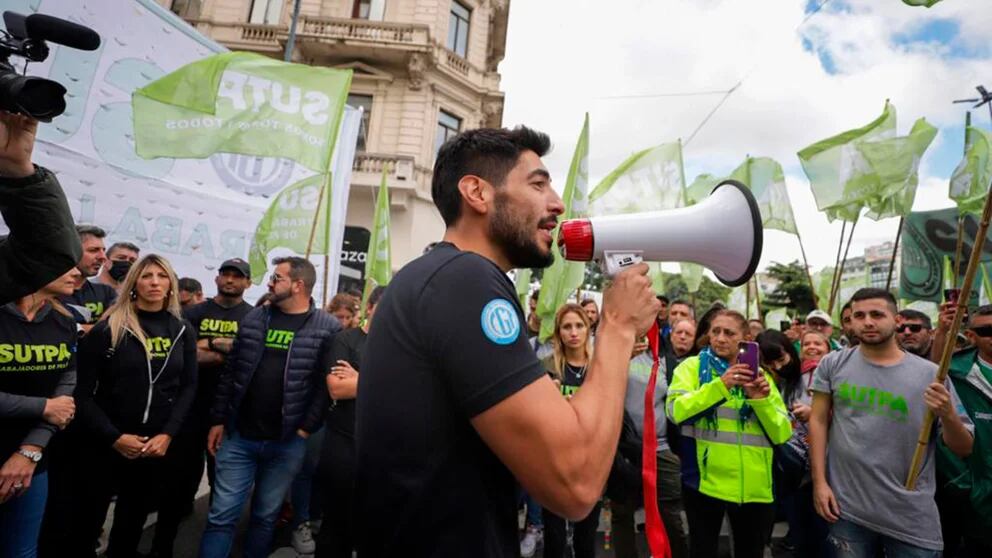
(572, 378)
(33, 358)
(348, 346)
(261, 411)
(90, 301)
(213, 321)
(448, 342)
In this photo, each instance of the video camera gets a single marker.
(39, 98)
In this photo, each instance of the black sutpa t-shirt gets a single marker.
(213, 321)
(448, 342)
(261, 411)
(90, 301)
(347, 346)
(33, 358)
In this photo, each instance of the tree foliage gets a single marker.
(793, 289)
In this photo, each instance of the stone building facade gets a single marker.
(423, 70)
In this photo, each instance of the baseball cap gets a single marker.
(237, 264)
(820, 314)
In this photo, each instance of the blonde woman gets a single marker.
(569, 360)
(137, 382)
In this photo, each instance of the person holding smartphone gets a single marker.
(731, 416)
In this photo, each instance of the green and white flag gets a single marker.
(766, 180)
(701, 188)
(924, 3)
(563, 277)
(838, 172)
(738, 300)
(521, 281)
(287, 224)
(652, 179)
(970, 180)
(379, 260)
(895, 163)
(238, 102)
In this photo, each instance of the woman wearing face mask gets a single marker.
(571, 354)
(37, 377)
(137, 381)
(730, 417)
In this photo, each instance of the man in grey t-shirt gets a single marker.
(860, 456)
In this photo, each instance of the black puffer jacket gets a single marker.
(305, 397)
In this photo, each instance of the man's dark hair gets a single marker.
(488, 153)
(662, 298)
(430, 247)
(869, 293)
(190, 285)
(847, 306)
(376, 295)
(90, 230)
(123, 246)
(536, 294)
(300, 269)
(911, 314)
(587, 302)
(692, 309)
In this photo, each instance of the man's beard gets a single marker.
(277, 297)
(232, 292)
(883, 339)
(516, 240)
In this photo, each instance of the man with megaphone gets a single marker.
(453, 406)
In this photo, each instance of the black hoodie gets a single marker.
(123, 391)
(37, 362)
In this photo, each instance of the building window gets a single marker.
(362, 9)
(186, 8)
(265, 12)
(458, 29)
(364, 102)
(448, 126)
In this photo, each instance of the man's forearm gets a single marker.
(937, 347)
(958, 439)
(818, 449)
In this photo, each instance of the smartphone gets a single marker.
(952, 295)
(784, 325)
(748, 354)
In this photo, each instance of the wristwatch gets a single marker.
(34, 456)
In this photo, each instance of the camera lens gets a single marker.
(39, 98)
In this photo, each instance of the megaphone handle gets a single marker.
(615, 262)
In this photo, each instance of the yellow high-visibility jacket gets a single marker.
(733, 461)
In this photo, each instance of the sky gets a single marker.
(801, 81)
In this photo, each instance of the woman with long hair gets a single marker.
(137, 382)
(570, 358)
(37, 377)
(731, 417)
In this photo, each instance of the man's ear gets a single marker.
(476, 193)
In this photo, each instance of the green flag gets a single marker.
(650, 180)
(287, 224)
(237, 102)
(838, 173)
(776, 315)
(895, 163)
(970, 180)
(562, 279)
(924, 3)
(701, 188)
(522, 282)
(766, 180)
(378, 261)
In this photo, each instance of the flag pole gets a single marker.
(747, 300)
(291, 41)
(895, 250)
(959, 244)
(840, 247)
(757, 298)
(945, 357)
(812, 287)
(843, 262)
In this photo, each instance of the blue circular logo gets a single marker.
(500, 322)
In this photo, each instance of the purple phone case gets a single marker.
(749, 355)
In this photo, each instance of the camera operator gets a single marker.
(42, 244)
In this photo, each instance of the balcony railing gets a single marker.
(401, 168)
(262, 34)
(409, 34)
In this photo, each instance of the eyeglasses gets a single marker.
(983, 331)
(915, 328)
(276, 278)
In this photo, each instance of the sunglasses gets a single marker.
(983, 331)
(915, 328)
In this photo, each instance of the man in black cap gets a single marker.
(216, 321)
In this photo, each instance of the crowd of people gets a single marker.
(120, 383)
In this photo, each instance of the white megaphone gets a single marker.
(722, 233)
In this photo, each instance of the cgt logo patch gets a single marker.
(500, 322)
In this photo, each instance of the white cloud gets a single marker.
(563, 56)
